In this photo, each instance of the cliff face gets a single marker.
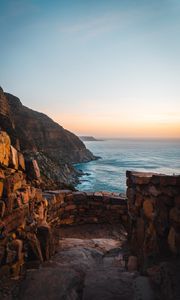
(6, 120)
(37, 132)
(55, 148)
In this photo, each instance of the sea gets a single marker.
(109, 172)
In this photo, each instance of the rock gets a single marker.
(154, 191)
(2, 209)
(34, 248)
(107, 284)
(172, 240)
(139, 200)
(143, 289)
(1, 188)
(33, 169)
(4, 148)
(79, 196)
(132, 264)
(13, 182)
(148, 209)
(165, 279)
(140, 231)
(2, 253)
(70, 207)
(131, 194)
(17, 245)
(175, 218)
(168, 180)
(25, 196)
(45, 238)
(2, 176)
(10, 202)
(6, 120)
(52, 283)
(177, 201)
(21, 161)
(141, 180)
(14, 158)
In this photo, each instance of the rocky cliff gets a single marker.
(54, 147)
(6, 120)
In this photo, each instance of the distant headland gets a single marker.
(89, 139)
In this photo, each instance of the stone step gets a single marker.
(108, 283)
(111, 283)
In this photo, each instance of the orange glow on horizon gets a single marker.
(119, 127)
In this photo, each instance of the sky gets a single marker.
(97, 67)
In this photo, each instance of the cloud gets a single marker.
(120, 18)
(97, 25)
(103, 23)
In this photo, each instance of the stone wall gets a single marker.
(154, 211)
(25, 235)
(70, 208)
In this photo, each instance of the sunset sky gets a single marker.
(103, 68)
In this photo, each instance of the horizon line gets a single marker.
(128, 138)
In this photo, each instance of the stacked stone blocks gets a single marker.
(73, 208)
(154, 211)
(22, 213)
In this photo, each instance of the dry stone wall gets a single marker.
(154, 211)
(25, 235)
(86, 208)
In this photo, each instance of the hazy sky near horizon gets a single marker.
(98, 67)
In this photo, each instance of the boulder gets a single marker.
(13, 182)
(32, 169)
(175, 218)
(21, 161)
(132, 263)
(172, 240)
(45, 238)
(148, 209)
(2, 176)
(13, 158)
(1, 188)
(4, 148)
(2, 209)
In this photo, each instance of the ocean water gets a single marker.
(117, 156)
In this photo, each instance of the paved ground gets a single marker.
(89, 265)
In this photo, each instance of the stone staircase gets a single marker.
(87, 269)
